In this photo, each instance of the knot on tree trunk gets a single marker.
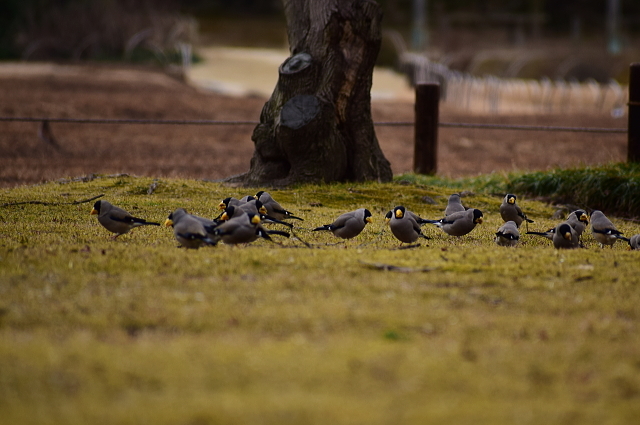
(317, 125)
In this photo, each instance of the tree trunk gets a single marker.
(317, 125)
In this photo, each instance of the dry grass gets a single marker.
(139, 331)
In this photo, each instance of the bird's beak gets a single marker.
(255, 197)
(511, 201)
(567, 236)
(369, 220)
(168, 223)
(479, 220)
(221, 206)
(224, 216)
(94, 212)
(399, 214)
(255, 219)
(263, 210)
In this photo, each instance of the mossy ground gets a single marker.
(138, 331)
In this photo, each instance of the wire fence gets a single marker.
(378, 123)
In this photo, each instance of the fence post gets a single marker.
(633, 149)
(427, 110)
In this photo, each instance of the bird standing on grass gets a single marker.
(241, 229)
(274, 209)
(603, 229)
(116, 220)
(507, 234)
(579, 220)
(454, 205)
(234, 212)
(190, 231)
(460, 223)
(565, 237)
(509, 211)
(348, 225)
(404, 226)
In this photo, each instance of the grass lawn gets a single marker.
(138, 331)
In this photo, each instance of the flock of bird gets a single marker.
(241, 221)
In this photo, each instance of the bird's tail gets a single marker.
(279, 233)
(142, 222)
(325, 227)
(269, 219)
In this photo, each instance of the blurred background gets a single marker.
(454, 42)
(532, 62)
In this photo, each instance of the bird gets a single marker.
(507, 234)
(565, 237)
(240, 229)
(603, 229)
(349, 225)
(634, 242)
(416, 217)
(255, 206)
(460, 223)
(509, 211)
(189, 230)
(229, 201)
(454, 205)
(274, 209)
(233, 212)
(579, 220)
(548, 234)
(116, 220)
(387, 217)
(404, 227)
(247, 198)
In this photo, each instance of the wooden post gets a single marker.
(633, 149)
(425, 158)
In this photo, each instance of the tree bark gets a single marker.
(317, 125)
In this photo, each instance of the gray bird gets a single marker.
(190, 231)
(454, 205)
(603, 229)
(579, 220)
(507, 234)
(252, 205)
(234, 212)
(565, 237)
(240, 229)
(349, 225)
(404, 226)
(274, 209)
(634, 242)
(416, 217)
(230, 201)
(509, 211)
(116, 220)
(460, 223)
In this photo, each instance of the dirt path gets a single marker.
(213, 152)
